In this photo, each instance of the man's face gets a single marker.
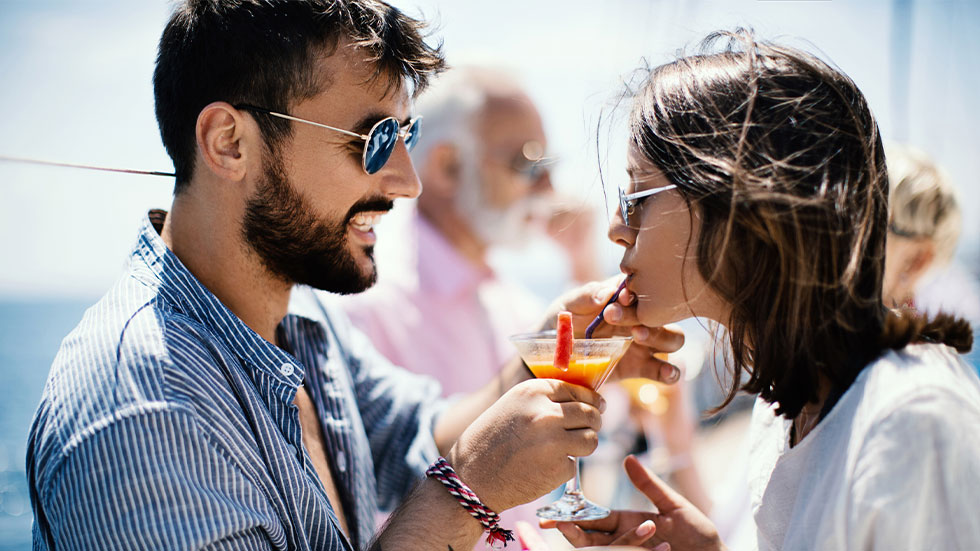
(311, 216)
(501, 197)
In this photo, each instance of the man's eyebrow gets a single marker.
(365, 123)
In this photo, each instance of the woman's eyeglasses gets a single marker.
(379, 142)
(628, 202)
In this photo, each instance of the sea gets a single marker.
(30, 334)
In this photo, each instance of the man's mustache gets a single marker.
(375, 204)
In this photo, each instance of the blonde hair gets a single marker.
(922, 200)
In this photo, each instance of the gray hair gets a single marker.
(452, 104)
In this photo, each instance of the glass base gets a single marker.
(573, 507)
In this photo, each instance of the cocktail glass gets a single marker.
(591, 363)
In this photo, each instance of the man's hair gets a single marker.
(922, 200)
(264, 52)
(779, 156)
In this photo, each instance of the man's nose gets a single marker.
(398, 176)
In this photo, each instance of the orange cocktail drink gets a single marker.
(589, 372)
(589, 364)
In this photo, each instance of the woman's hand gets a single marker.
(531, 540)
(589, 300)
(678, 522)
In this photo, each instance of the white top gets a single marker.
(894, 465)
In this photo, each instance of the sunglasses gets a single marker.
(379, 142)
(628, 202)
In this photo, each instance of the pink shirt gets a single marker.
(434, 312)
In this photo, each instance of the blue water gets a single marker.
(30, 333)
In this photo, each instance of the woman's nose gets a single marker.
(619, 233)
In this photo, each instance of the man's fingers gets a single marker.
(581, 442)
(660, 494)
(580, 416)
(567, 392)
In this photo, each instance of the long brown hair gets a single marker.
(781, 158)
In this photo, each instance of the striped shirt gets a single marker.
(167, 423)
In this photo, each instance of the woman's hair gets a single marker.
(922, 199)
(779, 155)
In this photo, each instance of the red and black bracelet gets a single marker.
(443, 472)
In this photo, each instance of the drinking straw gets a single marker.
(598, 319)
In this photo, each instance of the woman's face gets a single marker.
(660, 243)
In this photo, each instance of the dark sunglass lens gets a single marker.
(380, 144)
(413, 134)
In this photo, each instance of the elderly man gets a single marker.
(485, 184)
(204, 403)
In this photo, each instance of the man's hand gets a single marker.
(587, 301)
(678, 522)
(519, 448)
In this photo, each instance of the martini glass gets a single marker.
(591, 363)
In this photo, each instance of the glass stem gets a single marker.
(575, 484)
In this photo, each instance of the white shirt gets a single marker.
(895, 464)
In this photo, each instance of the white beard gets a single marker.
(512, 226)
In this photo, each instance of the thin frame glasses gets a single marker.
(628, 202)
(379, 142)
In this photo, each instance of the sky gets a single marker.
(77, 88)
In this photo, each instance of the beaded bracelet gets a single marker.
(444, 473)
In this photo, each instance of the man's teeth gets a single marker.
(364, 221)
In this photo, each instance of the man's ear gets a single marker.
(219, 132)
(441, 171)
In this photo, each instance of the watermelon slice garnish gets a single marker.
(563, 346)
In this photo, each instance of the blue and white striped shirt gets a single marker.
(167, 423)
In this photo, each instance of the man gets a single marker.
(486, 184)
(188, 410)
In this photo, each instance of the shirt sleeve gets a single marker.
(399, 410)
(915, 480)
(153, 479)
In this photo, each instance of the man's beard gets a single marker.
(510, 226)
(296, 246)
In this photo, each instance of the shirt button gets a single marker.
(341, 462)
(292, 449)
(286, 369)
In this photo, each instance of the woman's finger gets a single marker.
(660, 494)
(637, 536)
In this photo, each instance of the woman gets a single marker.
(758, 199)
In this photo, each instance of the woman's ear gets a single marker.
(920, 260)
(220, 131)
(441, 171)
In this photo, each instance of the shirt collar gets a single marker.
(153, 262)
(442, 270)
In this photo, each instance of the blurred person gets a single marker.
(758, 198)
(486, 184)
(924, 228)
(924, 222)
(209, 400)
